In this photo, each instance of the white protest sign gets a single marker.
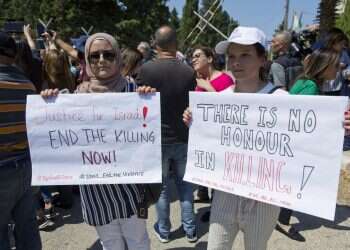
(108, 138)
(280, 149)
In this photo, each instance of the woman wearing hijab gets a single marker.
(111, 209)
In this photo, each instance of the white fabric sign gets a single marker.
(107, 138)
(284, 150)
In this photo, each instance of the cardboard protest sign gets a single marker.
(280, 149)
(94, 138)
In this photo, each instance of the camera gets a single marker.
(302, 42)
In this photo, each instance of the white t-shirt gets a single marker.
(265, 90)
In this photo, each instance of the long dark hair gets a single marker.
(208, 52)
(130, 59)
(56, 70)
(335, 36)
(264, 71)
(317, 63)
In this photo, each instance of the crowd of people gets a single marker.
(99, 65)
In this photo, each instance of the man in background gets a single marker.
(173, 79)
(285, 68)
(16, 198)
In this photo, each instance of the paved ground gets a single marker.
(72, 234)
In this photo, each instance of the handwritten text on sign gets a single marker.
(279, 149)
(94, 139)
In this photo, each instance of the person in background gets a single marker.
(30, 60)
(16, 198)
(284, 68)
(56, 71)
(321, 66)
(131, 63)
(283, 72)
(33, 66)
(111, 209)
(211, 79)
(29, 64)
(173, 79)
(74, 53)
(145, 50)
(209, 75)
(337, 40)
(180, 56)
(78, 63)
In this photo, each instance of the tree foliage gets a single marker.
(327, 14)
(209, 37)
(130, 21)
(188, 20)
(174, 19)
(343, 21)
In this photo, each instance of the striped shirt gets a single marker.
(14, 88)
(102, 204)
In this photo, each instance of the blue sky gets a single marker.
(264, 14)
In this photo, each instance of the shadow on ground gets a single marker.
(309, 222)
(200, 246)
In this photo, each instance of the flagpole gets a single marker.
(286, 15)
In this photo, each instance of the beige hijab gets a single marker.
(114, 84)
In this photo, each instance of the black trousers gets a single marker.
(284, 217)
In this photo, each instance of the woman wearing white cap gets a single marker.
(245, 51)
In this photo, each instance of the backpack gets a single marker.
(292, 69)
(292, 73)
(149, 195)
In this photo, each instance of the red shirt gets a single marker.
(220, 83)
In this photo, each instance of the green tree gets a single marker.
(343, 21)
(18, 10)
(140, 21)
(327, 14)
(129, 20)
(174, 19)
(68, 15)
(188, 21)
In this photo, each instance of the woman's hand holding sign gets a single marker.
(49, 93)
(187, 117)
(346, 123)
(145, 90)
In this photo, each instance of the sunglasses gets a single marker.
(196, 56)
(107, 55)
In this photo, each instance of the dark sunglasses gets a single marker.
(107, 55)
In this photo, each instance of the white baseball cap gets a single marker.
(242, 35)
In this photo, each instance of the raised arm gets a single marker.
(28, 34)
(65, 46)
